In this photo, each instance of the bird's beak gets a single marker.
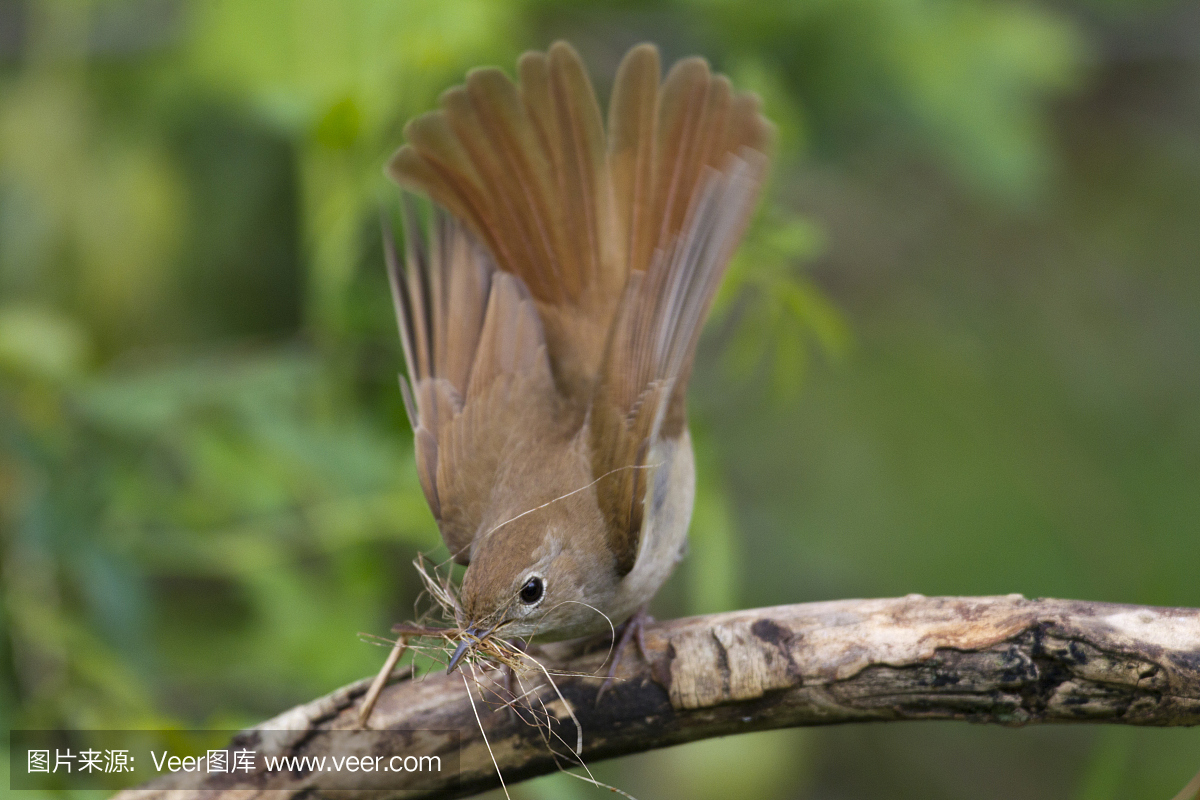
(471, 637)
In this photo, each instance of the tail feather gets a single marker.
(632, 121)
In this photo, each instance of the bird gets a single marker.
(549, 309)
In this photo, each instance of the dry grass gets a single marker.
(437, 631)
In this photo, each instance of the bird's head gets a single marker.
(543, 575)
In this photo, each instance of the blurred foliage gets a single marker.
(206, 478)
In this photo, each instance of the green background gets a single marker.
(959, 352)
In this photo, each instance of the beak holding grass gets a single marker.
(470, 638)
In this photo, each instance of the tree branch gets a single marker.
(1003, 660)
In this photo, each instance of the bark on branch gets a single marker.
(1003, 660)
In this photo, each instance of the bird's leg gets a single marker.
(632, 629)
(510, 677)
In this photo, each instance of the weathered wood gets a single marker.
(1004, 660)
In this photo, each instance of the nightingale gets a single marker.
(549, 314)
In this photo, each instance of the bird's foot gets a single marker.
(632, 630)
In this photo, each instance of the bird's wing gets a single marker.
(687, 162)
(477, 363)
(524, 167)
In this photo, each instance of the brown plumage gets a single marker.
(550, 322)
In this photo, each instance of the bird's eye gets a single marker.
(532, 591)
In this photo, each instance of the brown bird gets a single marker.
(549, 320)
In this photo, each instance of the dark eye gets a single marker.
(532, 591)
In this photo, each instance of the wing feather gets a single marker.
(477, 364)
